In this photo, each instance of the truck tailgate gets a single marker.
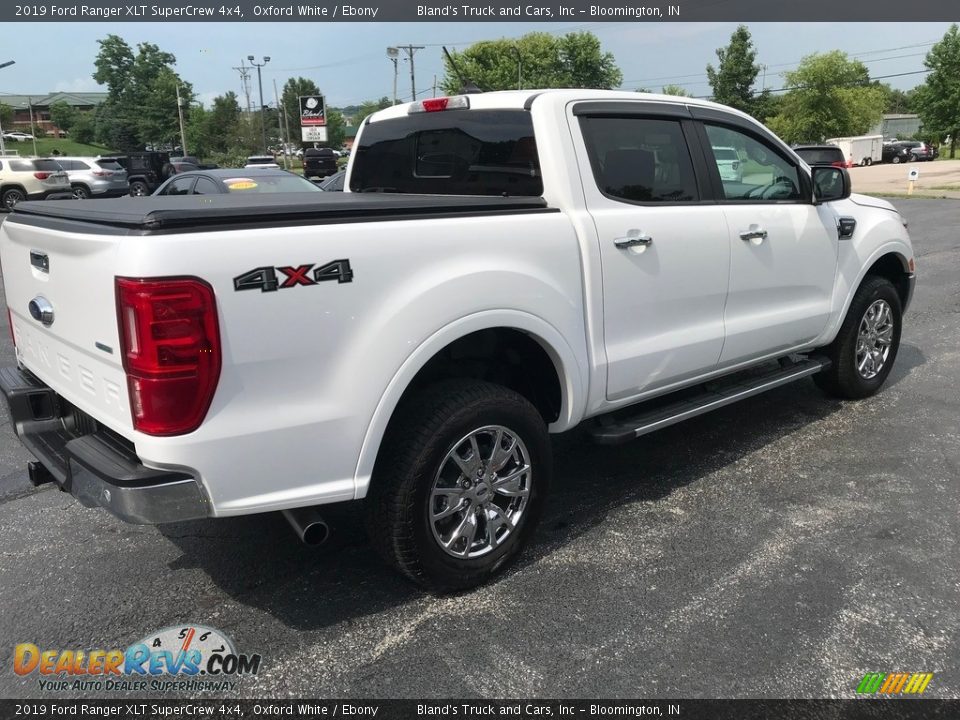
(78, 353)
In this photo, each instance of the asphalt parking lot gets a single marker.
(782, 547)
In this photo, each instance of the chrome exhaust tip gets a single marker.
(309, 525)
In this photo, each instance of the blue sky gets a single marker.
(348, 63)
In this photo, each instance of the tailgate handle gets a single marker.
(40, 260)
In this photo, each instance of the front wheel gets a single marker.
(896, 160)
(459, 484)
(867, 162)
(139, 189)
(80, 192)
(864, 350)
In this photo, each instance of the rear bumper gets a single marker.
(95, 466)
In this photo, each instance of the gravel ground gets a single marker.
(778, 548)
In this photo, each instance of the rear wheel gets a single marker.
(80, 192)
(138, 188)
(896, 160)
(11, 197)
(866, 346)
(459, 484)
(867, 162)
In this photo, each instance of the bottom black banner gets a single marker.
(480, 709)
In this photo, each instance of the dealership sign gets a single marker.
(312, 133)
(312, 111)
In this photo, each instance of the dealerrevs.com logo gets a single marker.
(895, 683)
(187, 658)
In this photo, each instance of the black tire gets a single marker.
(843, 379)
(80, 192)
(895, 160)
(867, 162)
(138, 188)
(400, 503)
(11, 197)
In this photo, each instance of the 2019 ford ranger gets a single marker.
(504, 265)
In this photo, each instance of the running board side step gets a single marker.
(625, 429)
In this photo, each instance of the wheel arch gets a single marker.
(467, 344)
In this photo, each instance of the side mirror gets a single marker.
(830, 183)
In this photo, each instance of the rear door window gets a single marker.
(456, 152)
(640, 160)
(180, 186)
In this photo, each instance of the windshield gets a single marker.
(269, 184)
(457, 152)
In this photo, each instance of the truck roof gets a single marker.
(524, 99)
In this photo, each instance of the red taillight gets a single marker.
(42, 175)
(435, 104)
(170, 341)
(102, 173)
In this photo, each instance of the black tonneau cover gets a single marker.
(214, 212)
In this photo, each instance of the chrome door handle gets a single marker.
(633, 241)
(755, 234)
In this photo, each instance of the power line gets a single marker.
(779, 65)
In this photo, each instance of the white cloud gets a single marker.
(80, 84)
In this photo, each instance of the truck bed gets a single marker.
(151, 215)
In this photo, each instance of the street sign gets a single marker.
(312, 111)
(914, 174)
(313, 133)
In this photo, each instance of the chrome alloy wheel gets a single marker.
(480, 492)
(874, 339)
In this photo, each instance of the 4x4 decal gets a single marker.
(265, 279)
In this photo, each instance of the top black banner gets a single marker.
(562, 11)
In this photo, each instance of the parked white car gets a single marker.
(17, 136)
(728, 163)
(503, 266)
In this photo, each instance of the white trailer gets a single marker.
(860, 150)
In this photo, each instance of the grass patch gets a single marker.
(64, 146)
(917, 195)
(944, 187)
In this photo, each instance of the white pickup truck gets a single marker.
(504, 266)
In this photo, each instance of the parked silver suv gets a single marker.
(30, 179)
(95, 177)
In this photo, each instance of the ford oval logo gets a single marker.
(41, 310)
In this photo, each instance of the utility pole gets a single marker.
(33, 132)
(434, 86)
(3, 149)
(394, 54)
(244, 82)
(410, 50)
(183, 133)
(284, 139)
(263, 122)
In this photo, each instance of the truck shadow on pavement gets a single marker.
(257, 561)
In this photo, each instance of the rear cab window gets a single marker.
(455, 152)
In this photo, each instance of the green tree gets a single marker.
(335, 128)
(736, 72)
(369, 107)
(83, 129)
(675, 90)
(538, 60)
(938, 99)
(6, 115)
(830, 96)
(63, 115)
(141, 105)
(897, 101)
(214, 131)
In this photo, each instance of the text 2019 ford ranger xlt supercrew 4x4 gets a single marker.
(504, 266)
